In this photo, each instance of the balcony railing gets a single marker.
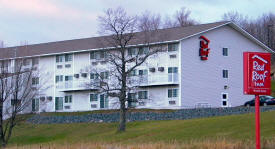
(76, 85)
(159, 79)
(145, 80)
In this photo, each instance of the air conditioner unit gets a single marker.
(161, 69)
(67, 107)
(173, 56)
(103, 62)
(42, 98)
(152, 69)
(50, 98)
(93, 106)
(59, 66)
(172, 102)
(76, 75)
(68, 66)
(141, 103)
(84, 75)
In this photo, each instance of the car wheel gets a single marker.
(265, 104)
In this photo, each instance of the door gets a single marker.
(58, 103)
(35, 105)
(102, 101)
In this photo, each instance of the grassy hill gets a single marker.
(236, 128)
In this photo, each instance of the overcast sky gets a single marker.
(38, 21)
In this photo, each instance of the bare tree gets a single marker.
(149, 22)
(122, 60)
(261, 28)
(19, 85)
(180, 18)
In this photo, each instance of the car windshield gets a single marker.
(269, 97)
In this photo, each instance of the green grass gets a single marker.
(236, 127)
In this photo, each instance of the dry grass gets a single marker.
(222, 144)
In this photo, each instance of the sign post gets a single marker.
(257, 82)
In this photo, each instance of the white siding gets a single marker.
(202, 81)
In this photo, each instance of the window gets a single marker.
(94, 76)
(35, 61)
(98, 55)
(104, 103)
(132, 51)
(93, 97)
(68, 57)
(59, 58)
(58, 103)
(68, 78)
(58, 78)
(35, 81)
(132, 96)
(143, 72)
(143, 95)
(224, 103)
(173, 93)
(172, 69)
(15, 102)
(225, 51)
(26, 62)
(35, 105)
(173, 47)
(143, 50)
(132, 100)
(225, 73)
(68, 99)
(104, 75)
(224, 99)
(224, 96)
(133, 73)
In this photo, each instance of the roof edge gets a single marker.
(239, 29)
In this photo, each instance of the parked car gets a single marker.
(264, 101)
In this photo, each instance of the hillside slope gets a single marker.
(235, 127)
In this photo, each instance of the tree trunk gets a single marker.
(122, 119)
(2, 136)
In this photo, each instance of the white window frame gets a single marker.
(174, 45)
(172, 93)
(68, 102)
(226, 100)
(225, 73)
(225, 51)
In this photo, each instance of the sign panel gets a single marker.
(204, 49)
(257, 73)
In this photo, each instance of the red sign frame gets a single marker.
(257, 80)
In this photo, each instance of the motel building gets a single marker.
(201, 66)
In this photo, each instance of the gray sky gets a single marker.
(38, 21)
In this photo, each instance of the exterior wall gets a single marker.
(81, 63)
(47, 79)
(202, 81)
(198, 81)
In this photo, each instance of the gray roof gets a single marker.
(78, 45)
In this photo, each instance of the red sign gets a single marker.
(204, 50)
(257, 73)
